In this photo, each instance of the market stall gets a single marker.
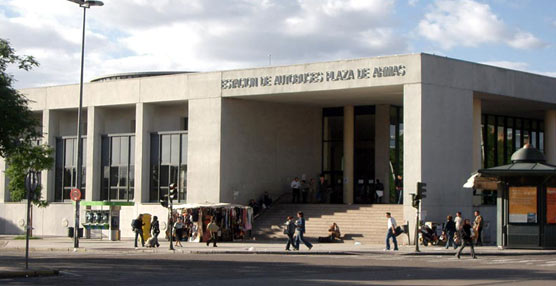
(235, 221)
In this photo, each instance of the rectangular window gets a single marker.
(396, 147)
(168, 164)
(118, 161)
(503, 135)
(66, 167)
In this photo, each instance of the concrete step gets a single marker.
(365, 223)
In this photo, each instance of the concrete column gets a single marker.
(204, 151)
(382, 148)
(550, 136)
(95, 129)
(477, 152)
(50, 129)
(438, 138)
(349, 118)
(143, 128)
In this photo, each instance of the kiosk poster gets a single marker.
(523, 204)
(551, 205)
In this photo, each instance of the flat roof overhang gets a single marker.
(392, 94)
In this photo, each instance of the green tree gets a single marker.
(17, 123)
(27, 157)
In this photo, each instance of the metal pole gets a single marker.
(171, 221)
(79, 143)
(417, 225)
(28, 226)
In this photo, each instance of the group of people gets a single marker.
(295, 231)
(137, 225)
(180, 227)
(311, 191)
(460, 232)
(304, 191)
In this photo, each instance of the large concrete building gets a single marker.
(229, 136)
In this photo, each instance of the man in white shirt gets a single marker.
(459, 225)
(391, 232)
(296, 193)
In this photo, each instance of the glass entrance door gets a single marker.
(364, 155)
(333, 153)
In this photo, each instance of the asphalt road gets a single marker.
(257, 269)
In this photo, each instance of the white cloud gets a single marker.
(413, 2)
(200, 35)
(469, 23)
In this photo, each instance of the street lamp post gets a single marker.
(32, 181)
(85, 5)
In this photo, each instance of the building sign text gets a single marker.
(314, 77)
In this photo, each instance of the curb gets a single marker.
(501, 253)
(282, 252)
(273, 252)
(28, 273)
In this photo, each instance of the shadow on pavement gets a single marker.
(241, 270)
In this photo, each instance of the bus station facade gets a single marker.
(229, 136)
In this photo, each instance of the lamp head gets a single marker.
(87, 3)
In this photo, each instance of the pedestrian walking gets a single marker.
(450, 231)
(466, 239)
(321, 190)
(179, 228)
(300, 231)
(155, 230)
(312, 190)
(304, 191)
(137, 225)
(289, 230)
(391, 233)
(478, 228)
(379, 191)
(295, 185)
(213, 228)
(459, 224)
(399, 187)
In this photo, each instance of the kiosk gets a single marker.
(526, 202)
(102, 219)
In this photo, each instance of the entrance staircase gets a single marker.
(358, 223)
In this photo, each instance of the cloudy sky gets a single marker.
(208, 35)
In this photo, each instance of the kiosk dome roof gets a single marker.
(528, 154)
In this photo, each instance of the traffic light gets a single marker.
(173, 192)
(421, 190)
(164, 203)
(414, 201)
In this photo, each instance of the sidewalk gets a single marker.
(65, 244)
(125, 246)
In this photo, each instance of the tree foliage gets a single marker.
(27, 157)
(17, 123)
